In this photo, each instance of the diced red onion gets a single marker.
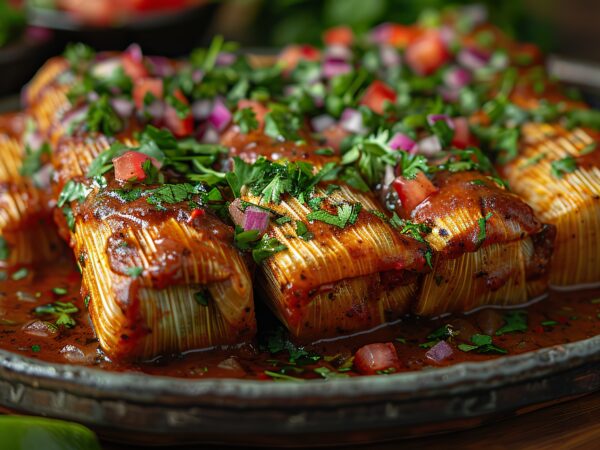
(197, 76)
(449, 94)
(401, 141)
(390, 57)
(339, 53)
(161, 66)
(333, 68)
(220, 115)
(38, 33)
(439, 352)
(352, 121)
(73, 116)
(433, 118)
(322, 122)
(447, 35)
(201, 109)
(256, 219)
(380, 34)
(473, 59)
(236, 213)
(105, 68)
(429, 146)
(122, 107)
(134, 51)
(457, 77)
(225, 59)
(156, 109)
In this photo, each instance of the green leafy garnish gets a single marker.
(302, 231)
(329, 374)
(101, 117)
(134, 272)
(61, 311)
(71, 192)
(202, 297)
(266, 247)
(20, 274)
(563, 166)
(4, 249)
(33, 159)
(441, 334)
(245, 118)
(481, 343)
(482, 222)
(514, 321)
(346, 214)
(36, 348)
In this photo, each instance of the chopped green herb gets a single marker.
(32, 162)
(346, 214)
(283, 219)
(59, 291)
(201, 297)
(71, 192)
(134, 272)
(101, 117)
(281, 376)
(61, 311)
(266, 247)
(4, 249)
(549, 323)
(590, 148)
(482, 221)
(329, 374)
(86, 301)
(441, 334)
(514, 321)
(481, 343)
(562, 166)
(324, 151)
(20, 274)
(245, 118)
(302, 231)
(36, 348)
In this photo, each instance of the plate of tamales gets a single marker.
(388, 235)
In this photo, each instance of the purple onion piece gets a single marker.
(352, 121)
(156, 109)
(334, 68)
(161, 66)
(401, 141)
(380, 34)
(322, 122)
(439, 352)
(390, 57)
(447, 35)
(449, 94)
(256, 219)
(433, 118)
(197, 76)
(134, 51)
(472, 59)
(220, 115)
(457, 77)
(225, 59)
(201, 109)
(38, 33)
(236, 213)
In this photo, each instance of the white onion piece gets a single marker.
(390, 57)
(106, 68)
(439, 352)
(74, 354)
(220, 116)
(322, 122)
(338, 53)
(429, 146)
(447, 35)
(209, 135)
(201, 109)
(352, 121)
(156, 109)
(472, 59)
(123, 107)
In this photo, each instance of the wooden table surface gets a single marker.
(574, 425)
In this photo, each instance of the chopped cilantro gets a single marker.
(134, 272)
(282, 124)
(283, 219)
(481, 343)
(71, 192)
(36, 348)
(61, 311)
(20, 274)
(346, 214)
(440, 334)
(549, 323)
(562, 166)
(245, 118)
(101, 117)
(514, 321)
(201, 297)
(482, 221)
(59, 291)
(4, 249)
(266, 247)
(281, 376)
(302, 231)
(329, 374)
(324, 151)
(33, 159)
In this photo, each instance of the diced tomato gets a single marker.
(462, 134)
(427, 54)
(341, 35)
(259, 109)
(133, 68)
(373, 358)
(293, 54)
(144, 86)
(129, 166)
(180, 127)
(412, 192)
(196, 214)
(376, 95)
(396, 35)
(153, 5)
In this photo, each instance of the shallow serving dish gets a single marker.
(137, 408)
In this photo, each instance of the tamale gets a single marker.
(567, 197)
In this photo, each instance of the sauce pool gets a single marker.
(559, 318)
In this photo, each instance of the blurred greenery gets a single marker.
(12, 22)
(304, 20)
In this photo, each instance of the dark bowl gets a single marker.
(136, 408)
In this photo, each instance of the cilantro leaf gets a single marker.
(32, 162)
(482, 221)
(563, 166)
(481, 343)
(101, 117)
(4, 249)
(302, 231)
(513, 321)
(72, 191)
(61, 311)
(346, 214)
(266, 247)
(245, 118)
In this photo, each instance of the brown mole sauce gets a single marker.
(572, 316)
